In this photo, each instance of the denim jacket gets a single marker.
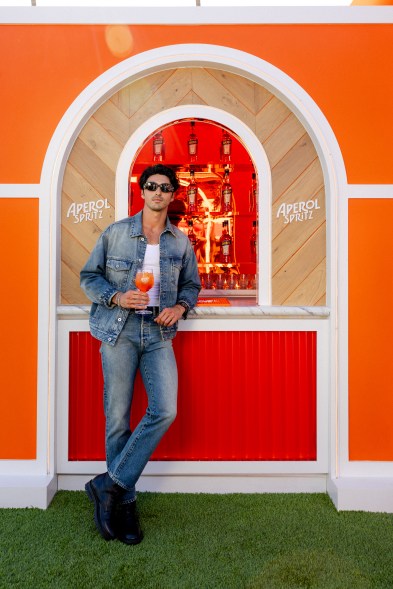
(111, 267)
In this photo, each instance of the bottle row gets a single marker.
(225, 149)
(227, 281)
(223, 204)
(221, 248)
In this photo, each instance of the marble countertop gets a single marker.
(238, 307)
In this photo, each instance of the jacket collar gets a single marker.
(136, 225)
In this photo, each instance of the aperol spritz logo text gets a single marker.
(88, 211)
(297, 211)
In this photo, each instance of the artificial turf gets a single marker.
(200, 541)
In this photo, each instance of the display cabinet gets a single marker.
(216, 204)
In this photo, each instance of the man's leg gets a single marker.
(119, 365)
(159, 373)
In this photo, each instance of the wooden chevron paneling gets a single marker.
(298, 247)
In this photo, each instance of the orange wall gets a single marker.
(18, 342)
(370, 329)
(345, 68)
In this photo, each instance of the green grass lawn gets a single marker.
(267, 541)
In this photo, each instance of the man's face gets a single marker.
(153, 195)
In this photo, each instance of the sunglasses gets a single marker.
(152, 187)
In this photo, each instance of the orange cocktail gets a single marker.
(144, 280)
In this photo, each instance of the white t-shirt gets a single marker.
(152, 260)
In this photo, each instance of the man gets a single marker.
(131, 341)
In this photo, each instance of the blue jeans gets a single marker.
(139, 345)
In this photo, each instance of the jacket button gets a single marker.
(119, 318)
(109, 339)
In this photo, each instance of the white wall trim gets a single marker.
(198, 15)
(20, 190)
(42, 464)
(215, 484)
(253, 147)
(370, 191)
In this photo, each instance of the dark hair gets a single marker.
(159, 169)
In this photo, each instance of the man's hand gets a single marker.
(170, 315)
(132, 299)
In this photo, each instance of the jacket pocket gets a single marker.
(117, 272)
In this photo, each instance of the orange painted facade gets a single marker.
(18, 344)
(346, 69)
(370, 329)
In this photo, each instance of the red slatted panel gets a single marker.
(242, 396)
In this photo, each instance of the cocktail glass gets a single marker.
(144, 280)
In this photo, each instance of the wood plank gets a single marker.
(142, 90)
(191, 98)
(171, 93)
(322, 301)
(76, 187)
(262, 96)
(293, 235)
(122, 101)
(214, 94)
(307, 187)
(93, 169)
(100, 142)
(71, 292)
(312, 291)
(292, 165)
(308, 182)
(114, 121)
(270, 117)
(75, 254)
(84, 231)
(241, 88)
(283, 139)
(292, 274)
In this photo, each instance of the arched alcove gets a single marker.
(302, 155)
(297, 234)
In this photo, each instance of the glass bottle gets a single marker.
(226, 194)
(158, 147)
(225, 244)
(193, 144)
(226, 147)
(252, 195)
(253, 241)
(191, 235)
(192, 193)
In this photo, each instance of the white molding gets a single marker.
(27, 491)
(362, 493)
(198, 15)
(299, 102)
(370, 191)
(253, 147)
(20, 190)
(43, 464)
(206, 468)
(214, 484)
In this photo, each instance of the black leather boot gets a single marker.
(127, 526)
(104, 493)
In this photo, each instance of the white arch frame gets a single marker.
(251, 144)
(300, 103)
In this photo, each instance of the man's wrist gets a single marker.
(184, 306)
